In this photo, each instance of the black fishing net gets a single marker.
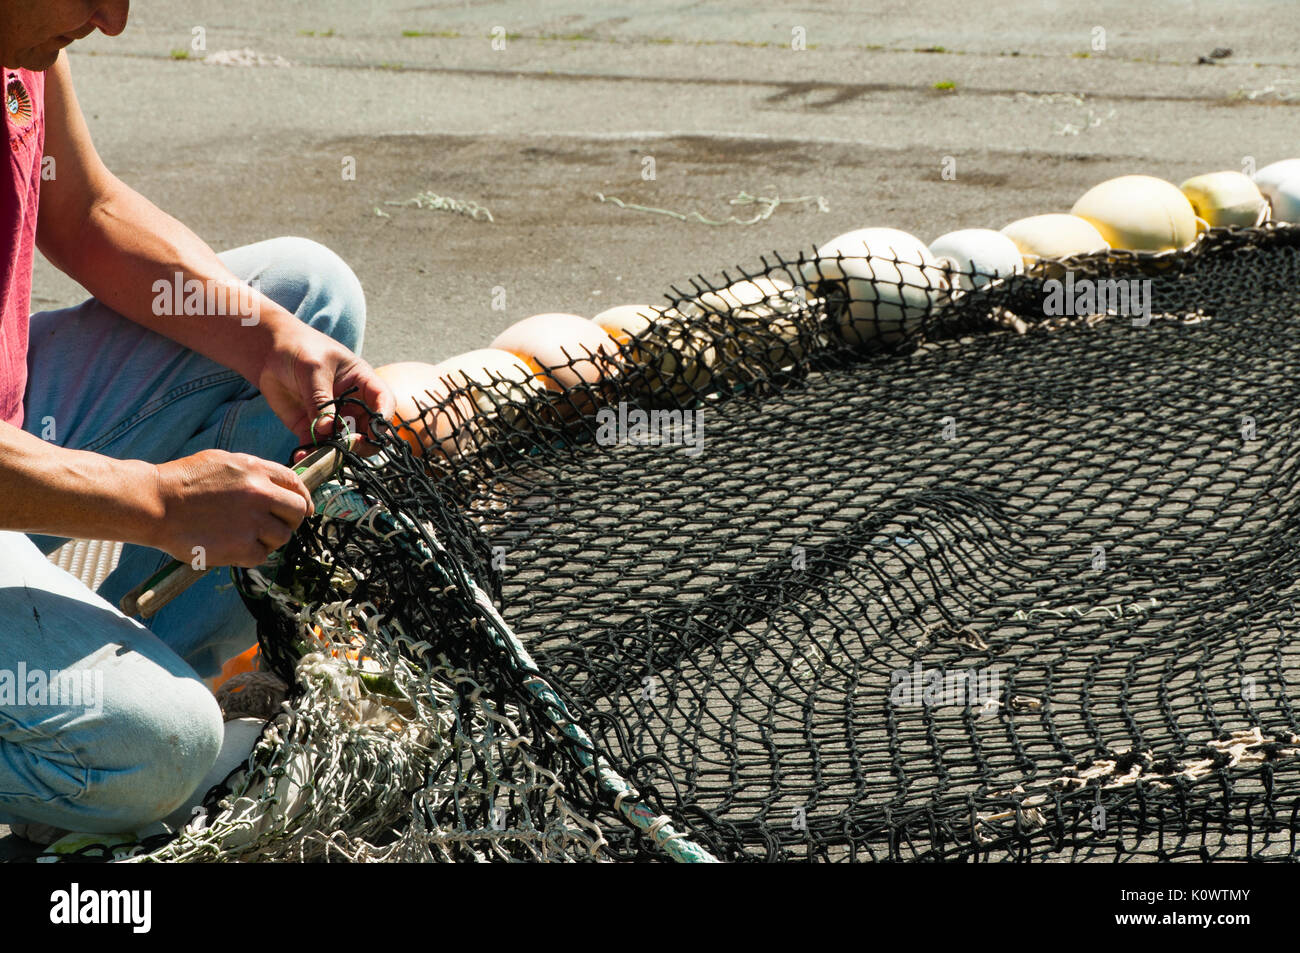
(819, 569)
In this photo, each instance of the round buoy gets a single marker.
(670, 356)
(1044, 238)
(1139, 213)
(1280, 185)
(625, 321)
(763, 323)
(884, 280)
(426, 415)
(747, 293)
(976, 256)
(500, 386)
(1275, 173)
(1226, 199)
(565, 350)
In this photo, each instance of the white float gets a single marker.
(1054, 235)
(1226, 199)
(1280, 185)
(1276, 173)
(887, 278)
(672, 355)
(1139, 213)
(976, 256)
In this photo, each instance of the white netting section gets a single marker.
(396, 755)
(90, 560)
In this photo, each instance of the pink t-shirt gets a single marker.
(20, 189)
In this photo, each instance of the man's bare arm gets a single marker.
(118, 245)
(236, 507)
(49, 489)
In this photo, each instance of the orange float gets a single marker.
(565, 350)
(246, 661)
(425, 415)
(570, 355)
(453, 402)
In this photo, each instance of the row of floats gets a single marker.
(883, 283)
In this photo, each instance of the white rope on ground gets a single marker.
(769, 205)
(441, 203)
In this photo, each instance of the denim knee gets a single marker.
(177, 735)
(330, 297)
(145, 764)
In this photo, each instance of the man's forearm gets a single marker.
(48, 489)
(129, 251)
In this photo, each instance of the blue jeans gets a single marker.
(144, 729)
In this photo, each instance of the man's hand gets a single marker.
(305, 369)
(238, 508)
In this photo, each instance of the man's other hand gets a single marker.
(228, 509)
(305, 370)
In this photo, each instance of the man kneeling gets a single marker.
(122, 419)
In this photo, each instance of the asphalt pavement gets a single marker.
(247, 120)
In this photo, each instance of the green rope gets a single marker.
(325, 412)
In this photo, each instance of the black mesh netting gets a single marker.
(986, 585)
